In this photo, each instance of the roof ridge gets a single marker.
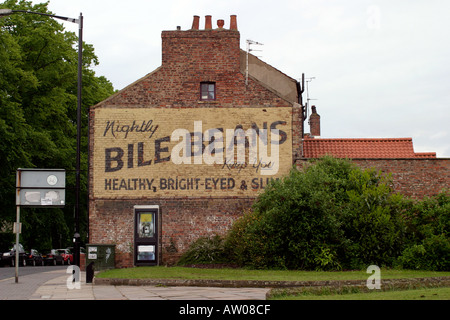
(387, 148)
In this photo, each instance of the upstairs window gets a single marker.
(207, 91)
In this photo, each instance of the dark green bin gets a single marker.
(102, 255)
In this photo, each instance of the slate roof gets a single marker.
(354, 148)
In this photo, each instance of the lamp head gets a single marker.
(5, 12)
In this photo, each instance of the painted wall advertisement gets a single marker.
(150, 152)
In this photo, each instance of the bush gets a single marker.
(294, 222)
(330, 216)
(428, 243)
(433, 253)
(245, 242)
(205, 250)
(372, 221)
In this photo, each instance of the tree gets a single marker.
(38, 103)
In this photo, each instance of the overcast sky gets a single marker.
(380, 68)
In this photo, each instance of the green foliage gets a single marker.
(295, 223)
(428, 243)
(432, 254)
(246, 230)
(333, 215)
(38, 103)
(372, 223)
(205, 250)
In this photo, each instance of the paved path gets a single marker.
(53, 286)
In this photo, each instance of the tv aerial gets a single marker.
(249, 43)
(308, 80)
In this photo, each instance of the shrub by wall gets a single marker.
(333, 215)
(427, 239)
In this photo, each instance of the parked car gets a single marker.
(82, 249)
(9, 257)
(67, 255)
(34, 258)
(53, 258)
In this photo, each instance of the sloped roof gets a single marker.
(269, 76)
(374, 148)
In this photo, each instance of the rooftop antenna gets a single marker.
(308, 80)
(250, 42)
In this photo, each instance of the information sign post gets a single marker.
(38, 188)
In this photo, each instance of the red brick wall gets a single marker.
(413, 177)
(182, 222)
(201, 51)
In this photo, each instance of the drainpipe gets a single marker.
(300, 90)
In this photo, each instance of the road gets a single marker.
(10, 272)
(30, 279)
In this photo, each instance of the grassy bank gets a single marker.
(298, 293)
(267, 275)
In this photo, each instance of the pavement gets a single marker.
(54, 285)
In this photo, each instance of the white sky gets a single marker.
(381, 67)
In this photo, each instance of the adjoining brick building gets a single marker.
(184, 151)
(414, 174)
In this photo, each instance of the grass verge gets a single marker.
(266, 275)
(441, 293)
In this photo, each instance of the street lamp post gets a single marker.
(7, 12)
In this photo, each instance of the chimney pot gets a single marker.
(208, 23)
(233, 22)
(196, 23)
(220, 23)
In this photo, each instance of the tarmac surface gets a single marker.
(54, 285)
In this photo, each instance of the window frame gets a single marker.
(207, 83)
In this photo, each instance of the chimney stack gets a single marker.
(208, 23)
(233, 22)
(210, 50)
(314, 123)
(196, 23)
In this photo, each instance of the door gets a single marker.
(146, 235)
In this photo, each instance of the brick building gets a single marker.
(183, 151)
(414, 174)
